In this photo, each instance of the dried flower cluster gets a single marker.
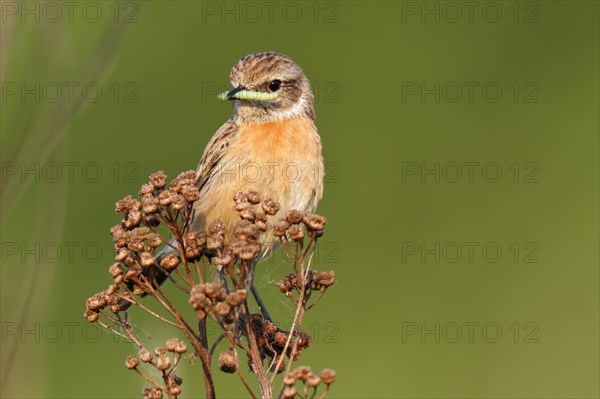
(214, 270)
(309, 382)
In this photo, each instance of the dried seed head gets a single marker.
(224, 260)
(216, 228)
(261, 221)
(214, 243)
(139, 234)
(294, 216)
(146, 189)
(198, 299)
(302, 372)
(289, 392)
(177, 202)
(154, 240)
(97, 302)
(117, 230)
(158, 180)
(222, 309)
(314, 222)
(296, 232)
(146, 259)
(247, 214)
(305, 340)
(191, 193)
(163, 362)
(313, 381)
(91, 316)
(289, 379)
(214, 291)
(192, 253)
(243, 205)
(152, 393)
(240, 197)
(190, 236)
(328, 376)
(149, 203)
(119, 235)
(127, 205)
(164, 198)
(269, 327)
(280, 338)
(228, 362)
(133, 219)
(326, 279)
(181, 348)
(236, 298)
(169, 262)
(270, 207)
(120, 305)
(131, 362)
(151, 220)
(171, 344)
(236, 246)
(250, 251)
(185, 179)
(145, 356)
(245, 230)
(200, 239)
(285, 285)
(129, 261)
(253, 197)
(280, 227)
(135, 246)
(121, 255)
(131, 274)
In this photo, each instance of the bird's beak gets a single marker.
(230, 95)
(240, 93)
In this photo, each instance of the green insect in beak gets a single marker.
(239, 93)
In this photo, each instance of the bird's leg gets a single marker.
(250, 283)
(224, 280)
(260, 303)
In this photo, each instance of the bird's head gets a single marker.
(269, 87)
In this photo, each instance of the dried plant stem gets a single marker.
(325, 392)
(246, 384)
(265, 384)
(191, 335)
(300, 310)
(321, 293)
(187, 291)
(212, 262)
(177, 360)
(242, 376)
(137, 370)
(112, 330)
(159, 317)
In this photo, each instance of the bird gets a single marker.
(270, 145)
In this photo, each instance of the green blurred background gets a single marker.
(410, 316)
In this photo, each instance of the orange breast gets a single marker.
(292, 139)
(280, 160)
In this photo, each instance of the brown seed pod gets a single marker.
(228, 362)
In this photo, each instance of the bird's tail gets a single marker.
(157, 271)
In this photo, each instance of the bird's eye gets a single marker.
(274, 85)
